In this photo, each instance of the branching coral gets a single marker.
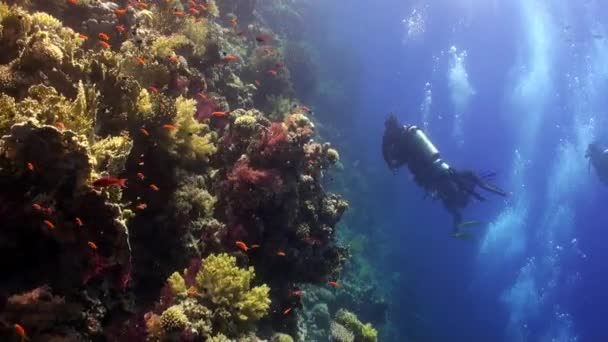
(229, 287)
(192, 141)
(111, 154)
(362, 332)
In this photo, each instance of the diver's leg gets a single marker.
(457, 220)
(491, 188)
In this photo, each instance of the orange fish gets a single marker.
(92, 245)
(141, 206)
(141, 61)
(30, 166)
(104, 36)
(110, 181)
(203, 95)
(230, 58)
(79, 222)
(219, 114)
(258, 83)
(174, 59)
(49, 224)
(241, 245)
(82, 36)
(178, 14)
(21, 332)
(170, 127)
(144, 132)
(73, 2)
(120, 11)
(37, 206)
(287, 311)
(140, 4)
(153, 89)
(140, 176)
(192, 292)
(121, 28)
(254, 246)
(48, 211)
(333, 284)
(233, 22)
(103, 44)
(202, 7)
(281, 253)
(154, 187)
(59, 125)
(193, 11)
(273, 72)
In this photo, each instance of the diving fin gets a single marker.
(469, 224)
(462, 236)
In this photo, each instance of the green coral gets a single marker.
(112, 153)
(144, 104)
(279, 337)
(197, 34)
(46, 21)
(219, 338)
(228, 287)
(177, 284)
(192, 200)
(333, 155)
(340, 333)
(245, 122)
(362, 332)
(192, 140)
(173, 319)
(212, 9)
(165, 46)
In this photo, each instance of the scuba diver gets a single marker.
(408, 145)
(598, 157)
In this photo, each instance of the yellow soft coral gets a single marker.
(177, 283)
(173, 319)
(197, 34)
(165, 46)
(228, 287)
(111, 153)
(192, 140)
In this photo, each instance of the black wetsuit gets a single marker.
(598, 158)
(401, 146)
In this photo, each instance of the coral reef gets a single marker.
(140, 138)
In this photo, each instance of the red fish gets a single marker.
(21, 332)
(82, 36)
(297, 293)
(203, 95)
(103, 44)
(37, 206)
(141, 61)
(219, 114)
(261, 39)
(79, 222)
(120, 12)
(258, 83)
(104, 36)
(141, 206)
(140, 176)
(333, 284)
(49, 224)
(230, 58)
(170, 127)
(140, 4)
(254, 246)
(234, 22)
(154, 187)
(178, 14)
(92, 245)
(241, 245)
(174, 59)
(144, 132)
(281, 253)
(279, 65)
(153, 89)
(306, 109)
(193, 11)
(47, 211)
(273, 72)
(73, 2)
(121, 28)
(30, 166)
(202, 7)
(192, 292)
(110, 181)
(287, 311)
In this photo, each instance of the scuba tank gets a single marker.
(427, 151)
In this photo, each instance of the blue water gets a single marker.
(512, 86)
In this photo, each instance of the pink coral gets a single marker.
(243, 174)
(275, 137)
